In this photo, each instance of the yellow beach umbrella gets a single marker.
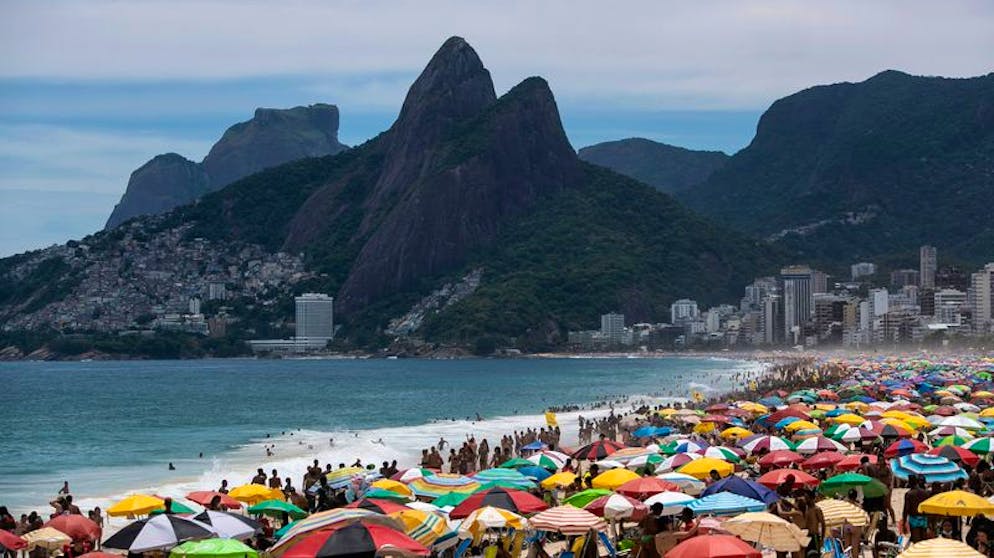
(800, 425)
(393, 486)
(252, 494)
(754, 408)
(826, 406)
(957, 503)
(613, 479)
(48, 538)
(940, 548)
(559, 480)
(839, 512)
(735, 432)
(422, 526)
(982, 394)
(858, 406)
(136, 504)
(768, 530)
(701, 468)
(705, 427)
(848, 418)
(988, 412)
(667, 412)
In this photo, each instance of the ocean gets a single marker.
(112, 428)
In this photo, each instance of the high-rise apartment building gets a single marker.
(315, 316)
(683, 311)
(798, 300)
(982, 298)
(927, 264)
(862, 269)
(613, 327)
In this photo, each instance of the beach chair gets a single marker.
(832, 548)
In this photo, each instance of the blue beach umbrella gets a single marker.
(725, 503)
(742, 487)
(534, 446)
(782, 423)
(535, 472)
(933, 467)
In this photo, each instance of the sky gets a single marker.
(90, 90)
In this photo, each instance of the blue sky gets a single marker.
(91, 90)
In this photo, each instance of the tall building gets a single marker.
(315, 316)
(948, 304)
(684, 310)
(757, 291)
(216, 290)
(798, 300)
(613, 327)
(819, 282)
(862, 269)
(771, 320)
(927, 264)
(900, 278)
(194, 305)
(982, 298)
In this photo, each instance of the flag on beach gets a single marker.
(550, 419)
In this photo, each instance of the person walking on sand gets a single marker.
(274, 481)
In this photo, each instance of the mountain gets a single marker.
(272, 137)
(465, 180)
(857, 170)
(667, 168)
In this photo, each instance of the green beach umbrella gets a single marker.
(451, 499)
(952, 441)
(515, 463)
(276, 507)
(581, 499)
(980, 446)
(841, 484)
(502, 483)
(177, 507)
(381, 494)
(836, 431)
(214, 548)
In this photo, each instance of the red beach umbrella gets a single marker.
(517, 501)
(714, 546)
(791, 411)
(823, 460)
(597, 450)
(780, 458)
(776, 477)
(644, 487)
(355, 540)
(78, 527)
(10, 541)
(379, 506)
(204, 497)
(852, 462)
(905, 447)
(615, 506)
(956, 455)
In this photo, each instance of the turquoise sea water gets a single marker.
(112, 427)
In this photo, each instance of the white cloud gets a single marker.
(662, 54)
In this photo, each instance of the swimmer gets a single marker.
(379, 441)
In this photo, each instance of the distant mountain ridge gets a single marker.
(665, 167)
(859, 170)
(272, 137)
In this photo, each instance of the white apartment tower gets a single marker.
(315, 316)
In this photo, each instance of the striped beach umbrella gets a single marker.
(940, 548)
(617, 506)
(725, 503)
(356, 540)
(597, 450)
(328, 519)
(407, 475)
(768, 530)
(517, 501)
(157, 533)
(487, 518)
(839, 512)
(424, 527)
(503, 476)
(687, 483)
(683, 446)
(384, 507)
(442, 484)
(567, 520)
(980, 446)
(767, 444)
(229, 525)
(674, 462)
(722, 453)
(819, 444)
(905, 447)
(549, 459)
(933, 467)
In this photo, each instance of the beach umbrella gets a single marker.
(442, 484)
(735, 432)
(672, 502)
(549, 459)
(136, 504)
(613, 479)
(10, 541)
(683, 446)
(229, 525)
(375, 493)
(158, 533)
(607, 464)
(214, 548)
(407, 475)
(395, 486)
(980, 446)
(504, 476)
(490, 518)
(848, 418)
(424, 527)
(766, 443)
(940, 548)
(78, 527)
(701, 468)
(597, 450)
(204, 498)
(853, 461)
(690, 485)
(276, 508)
(961, 421)
(384, 507)
(838, 512)
(841, 484)
(796, 425)
(819, 444)
(559, 480)
(713, 546)
(742, 487)
(328, 519)
(643, 487)
(823, 460)
(725, 503)
(342, 476)
(355, 540)
(517, 501)
(905, 447)
(567, 520)
(254, 493)
(722, 453)
(617, 506)
(534, 446)
(767, 530)
(858, 434)
(651, 460)
(956, 455)
(584, 497)
(677, 461)
(535, 473)
(957, 503)
(175, 506)
(48, 538)
(776, 477)
(944, 431)
(451, 500)
(627, 454)
(780, 458)
(933, 467)
(516, 462)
